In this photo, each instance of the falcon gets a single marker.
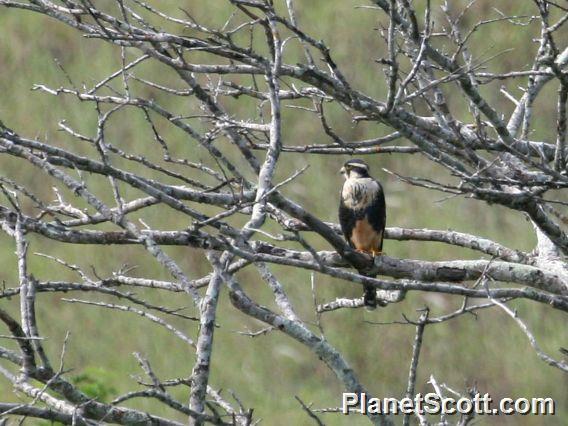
(362, 214)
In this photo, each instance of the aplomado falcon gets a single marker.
(362, 214)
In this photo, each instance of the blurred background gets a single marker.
(487, 351)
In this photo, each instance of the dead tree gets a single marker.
(488, 156)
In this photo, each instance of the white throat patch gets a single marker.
(358, 193)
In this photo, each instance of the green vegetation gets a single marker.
(487, 351)
(95, 383)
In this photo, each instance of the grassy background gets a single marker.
(266, 372)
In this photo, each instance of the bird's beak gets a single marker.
(342, 171)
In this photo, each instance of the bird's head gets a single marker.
(354, 169)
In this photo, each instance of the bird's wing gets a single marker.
(377, 213)
(346, 221)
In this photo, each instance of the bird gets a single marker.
(362, 215)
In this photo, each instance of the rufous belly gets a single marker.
(364, 237)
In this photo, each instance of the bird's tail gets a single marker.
(370, 297)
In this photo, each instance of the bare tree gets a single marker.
(488, 156)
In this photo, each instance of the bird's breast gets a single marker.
(359, 193)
